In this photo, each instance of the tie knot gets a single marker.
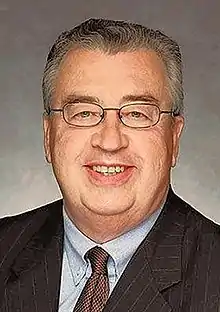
(98, 258)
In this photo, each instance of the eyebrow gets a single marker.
(140, 98)
(77, 98)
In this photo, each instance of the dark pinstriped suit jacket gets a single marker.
(176, 268)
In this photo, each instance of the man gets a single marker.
(120, 240)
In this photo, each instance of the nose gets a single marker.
(109, 136)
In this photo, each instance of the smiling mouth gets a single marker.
(108, 170)
(112, 175)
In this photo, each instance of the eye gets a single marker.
(136, 114)
(85, 114)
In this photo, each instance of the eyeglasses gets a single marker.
(133, 115)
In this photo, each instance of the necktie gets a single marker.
(96, 290)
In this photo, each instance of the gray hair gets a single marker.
(112, 37)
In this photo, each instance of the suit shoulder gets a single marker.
(196, 221)
(26, 217)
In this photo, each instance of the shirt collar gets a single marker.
(76, 244)
(120, 249)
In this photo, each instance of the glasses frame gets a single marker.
(50, 110)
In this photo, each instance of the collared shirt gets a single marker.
(76, 270)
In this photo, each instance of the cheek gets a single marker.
(67, 146)
(155, 148)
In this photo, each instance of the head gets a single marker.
(112, 64)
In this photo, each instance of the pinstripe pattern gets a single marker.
(175, 269)
(30, 265)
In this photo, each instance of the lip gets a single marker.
(112, 180)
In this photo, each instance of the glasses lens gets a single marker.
(140, 115)
(82, 114)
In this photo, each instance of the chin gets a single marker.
(107, 206)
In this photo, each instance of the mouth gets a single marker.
(108, 170)
(114, 174)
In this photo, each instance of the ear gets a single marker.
(46, 129)
(177, 128)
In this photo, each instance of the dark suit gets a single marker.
(176, 268)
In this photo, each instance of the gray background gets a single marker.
(28, 28)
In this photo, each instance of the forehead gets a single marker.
(111, 77)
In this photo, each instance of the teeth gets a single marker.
(118, 169)
(108, 170)
(111, 170)
(104, 169)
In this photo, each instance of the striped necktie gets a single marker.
(95, 293)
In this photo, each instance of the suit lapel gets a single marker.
(163, 245)
(155, 267)
(35, 274)
(137, 290)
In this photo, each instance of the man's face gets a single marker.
(146, 155)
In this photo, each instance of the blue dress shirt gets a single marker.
(76, 270)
